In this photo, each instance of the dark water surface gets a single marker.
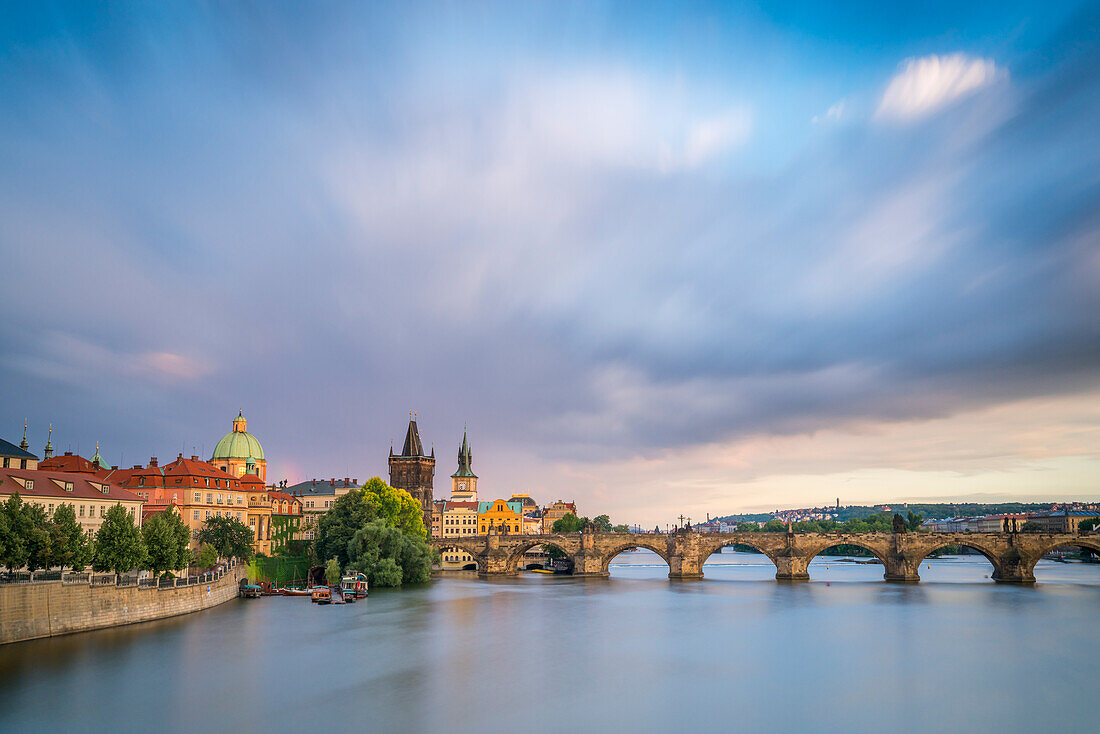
(636, 652)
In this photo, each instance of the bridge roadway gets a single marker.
(1013, 555)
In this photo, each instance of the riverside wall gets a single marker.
(52, 608)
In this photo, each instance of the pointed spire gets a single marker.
(23, 444)
(97, 459)
(465, 458)
(48, 451)
(413, 446)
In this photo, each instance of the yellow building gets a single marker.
(501, 515)
(556, 511)
(259, 513)
(457, 520)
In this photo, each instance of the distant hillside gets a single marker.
(934, 511)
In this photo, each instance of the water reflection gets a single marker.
(636, 650)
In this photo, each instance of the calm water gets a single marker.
(736, 651)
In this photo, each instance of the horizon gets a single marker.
(664, 260)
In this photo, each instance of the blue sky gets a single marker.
(668, 258)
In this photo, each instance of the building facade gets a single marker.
(89, 496)
(500, 515)
(239, 452)
(317, 497)
(414, 471)
(17, 457)
(464, 481)
(556, 511)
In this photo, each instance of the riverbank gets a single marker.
(53, 608)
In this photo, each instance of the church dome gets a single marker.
(239, 443)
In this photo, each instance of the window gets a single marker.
(196, 514)
(207, 481)
(68, 486)
(198, 496)
(239, 501)
(238, 516)
(219, 499)
(251, 522)
(82, 510)
(7, 463)
(208, 514)
(29, 484)
(51, 508)
(209, 498)
(103, 510)
(141, 481)
(22, 463)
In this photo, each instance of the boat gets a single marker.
(295, 592)
(251, 591)
(542, 570)
(321, 595)
(354, 584)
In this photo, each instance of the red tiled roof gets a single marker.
(458, 505)
(84, 486)
(73, 463)
(282, 496)
(251, 479)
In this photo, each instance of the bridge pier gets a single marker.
(901, 569)
(588, 563)
(1014, 569)
(791, 567)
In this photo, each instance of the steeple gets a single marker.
(465, 459)
(97, 459)
(23, 444)
(413, 446)
(48, 451)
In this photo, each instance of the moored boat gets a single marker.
(354, 584)
(321, 595)
(251, 591)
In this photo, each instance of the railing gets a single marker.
(110, 579)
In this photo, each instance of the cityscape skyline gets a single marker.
(661, 261)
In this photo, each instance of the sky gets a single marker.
(656, 258)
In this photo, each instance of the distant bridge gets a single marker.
(1013, 555)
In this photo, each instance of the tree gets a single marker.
(118, 543)
(229, 536)
(332, 571)
(1089, 525)
(913, 521)
(337, 526)
(206, 556)
(14, 537)
(1031, 527)
(396, 506)
(68, 540)
(167, 541)
(388, 556)
(568, 523)
(36, 528)
(602, 524)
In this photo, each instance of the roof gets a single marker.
(453, 505)
(70, 462)
(52, 484)
(277, 496)
(465, 459)
(483, 507)
(413, 446)
(524, 499)
(238, 444)
(320, 486)
(12, 451)
(251, 480)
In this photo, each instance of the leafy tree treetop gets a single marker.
(396, 506)
(229, 536)
(118, 543)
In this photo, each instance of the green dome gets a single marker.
(238, 444)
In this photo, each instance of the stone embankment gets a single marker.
(30, 611)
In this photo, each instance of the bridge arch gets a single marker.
(990, 555)
(757, 546)
(516, 551)
(613, 552)
(1092, 544)
(820, 548)
(478, 562)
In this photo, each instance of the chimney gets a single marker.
(194, 458)
(68, 453)
(332, 481)
(114, 468)
(315, 481)
(152, 461)
(355, 480)
(347, 481)
(138, 466)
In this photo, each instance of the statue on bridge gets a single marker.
(899, 523)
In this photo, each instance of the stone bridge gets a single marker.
(1013, 555)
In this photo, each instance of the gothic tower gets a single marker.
(464, 481)
(414, 471)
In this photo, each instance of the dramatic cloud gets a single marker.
(611, 259)
(927, 84)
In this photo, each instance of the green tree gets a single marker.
(913, 521)
(336, 527)
(332, 571)
(229, 536)
(69, 541)
(620, 529)
(118, 544)
(167, 541)
(396, 506)
(206, 556)
(568, 523)
(1089, 525)
(388, 556)
(602, 524)
(36, 528)
(774, 526)
(14, 539)
(1031, 527)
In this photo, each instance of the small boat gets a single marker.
(321, 595)
(542, 570)
(251, 591)
(295, 592)
(354, 585)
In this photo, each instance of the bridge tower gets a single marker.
(414, 471)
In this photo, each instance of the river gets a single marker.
(736, 651)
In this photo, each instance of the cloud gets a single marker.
(833, 114)
(927, 84)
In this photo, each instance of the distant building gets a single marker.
(286, 519)
(75, 464)
(317, 497)
(457, 519)
(89, 496)
(464, 481)
(414, 471)
(1062, 521)
(239, 452)
(556, 511)
(500, 515)
(17, 457)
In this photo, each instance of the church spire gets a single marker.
(465, 458)
(23, 444)
(413, 446)
(97, 459)
(48, 451)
